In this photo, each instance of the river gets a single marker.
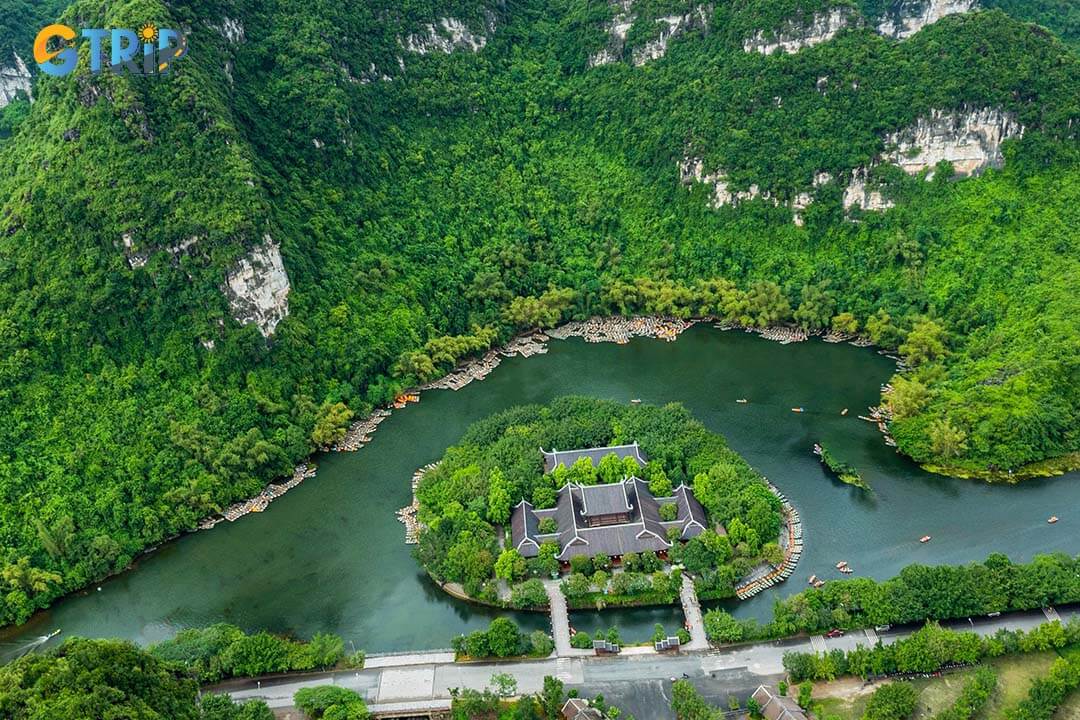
(330, 555)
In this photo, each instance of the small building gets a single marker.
(578, 709)
(554, 458)
(775, 706)
(609, 519)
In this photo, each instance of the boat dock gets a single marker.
(792, 544)
(407, 514)
(261, 501)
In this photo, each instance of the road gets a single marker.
(638, 683)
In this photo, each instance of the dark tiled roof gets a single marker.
(524, 527)
(555, 458)
(604, 500)
(692, 515)
(777, 707)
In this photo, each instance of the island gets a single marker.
(645, 495)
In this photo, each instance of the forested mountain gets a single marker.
(325, 202)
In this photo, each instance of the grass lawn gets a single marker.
(847, 698)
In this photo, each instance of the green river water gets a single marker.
(330, 556)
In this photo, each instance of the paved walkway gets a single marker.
(560, 618)
(400, 659)
(692, 610)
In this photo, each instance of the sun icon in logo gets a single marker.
(148, 33)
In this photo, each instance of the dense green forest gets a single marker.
(471, 194)
(498, 463)
(110, 679)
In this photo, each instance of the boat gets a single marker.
(798, 410)
(813, 579)
(1052, 519)
(635, 401)
(51, 635)
(846, 570)
(924, 539)
(817, 449)
(742, 401)
(841, 565)
(819, 583)
(844, 411)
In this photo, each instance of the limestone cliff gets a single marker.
(14, 78)
(670, 27)
(692, 170)
(447, 35)
(910, 16)
(258, 287)
(794, 36)
(969, 138)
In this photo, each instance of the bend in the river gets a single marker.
(331, 555)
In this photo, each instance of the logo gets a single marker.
(150, 50)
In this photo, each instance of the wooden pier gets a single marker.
(407, 514)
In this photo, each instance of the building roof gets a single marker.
(578, 709)
(554, 458)
(643, 530)
(777, 707)
(604, 500)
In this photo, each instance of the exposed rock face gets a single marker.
(693, 170)
(14, 78)
(911, 16)
(672, 26)
(861, 194)
(793, 36)
(231, 29)
(617, 30)
(258, 287)
(449, 35)
(969, 138)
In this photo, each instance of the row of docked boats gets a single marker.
(792, 552)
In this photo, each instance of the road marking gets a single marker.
(818, 643)
(562, 669)
(1051, 613)
(871, 636)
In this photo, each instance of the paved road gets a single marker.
(642, 679)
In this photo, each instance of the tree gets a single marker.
(722, 627)
(498, 499)
(806, 694)
(540, 643)
(610, 469)
(505, 685)
(510, 566)
(688, 704)
(547, 558)
(504, 638)
(947, 440)
(816, 308)
(753, 707)
(845, 323)
(669, 511)
(95, 679)
(908, 398)
(767, 305)
(925, 343)
(548, 525)
(331, 423)
(894, 701)
(552, 697)
(222, 707)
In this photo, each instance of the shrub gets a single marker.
(669, 511)
(331, 701)
(548, 525)
(540, 643)
(530, 593)
(576, 585)
(581, 640)
(581, 564)
(503, 637)
(895, 701)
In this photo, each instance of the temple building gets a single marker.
(610, 519)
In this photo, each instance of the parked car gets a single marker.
(996, 613)
(882, 628)
(834, 633)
